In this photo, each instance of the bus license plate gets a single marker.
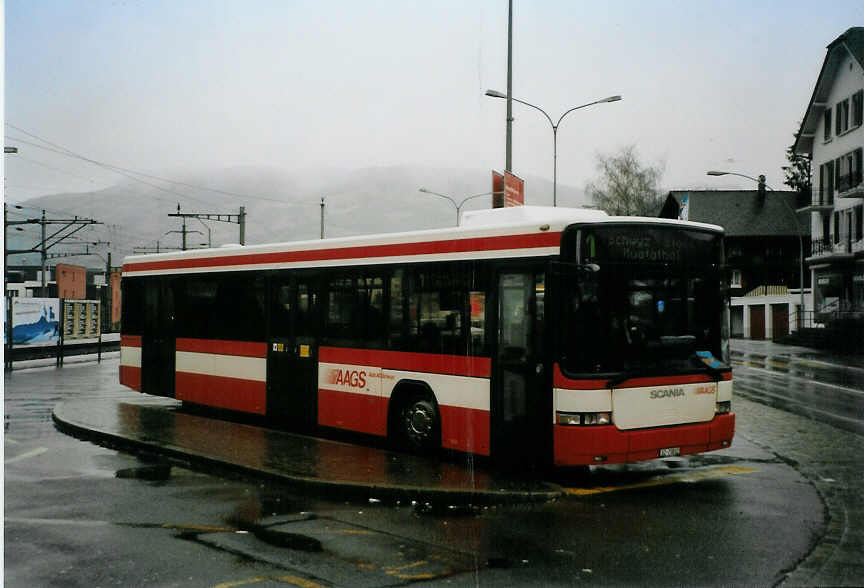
(670, 452)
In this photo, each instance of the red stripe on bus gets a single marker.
(453, 365)
(130, 376)
(525, 241)
(576, 445)
(562, 381)
(354, 412)
(130, 340)
(229, 393)
(465, 429)
(239, 348)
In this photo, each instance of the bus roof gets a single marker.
(523, 231)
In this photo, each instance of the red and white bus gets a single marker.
(547, 335)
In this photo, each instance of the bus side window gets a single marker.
(132, 306)
(397, 327)
(441, 308)
(355, 311)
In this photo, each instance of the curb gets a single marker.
(336, 488)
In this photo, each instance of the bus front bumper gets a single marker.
(596, 445)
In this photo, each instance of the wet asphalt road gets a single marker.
(81, 515)
(814, 384)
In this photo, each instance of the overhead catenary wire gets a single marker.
(126, 171)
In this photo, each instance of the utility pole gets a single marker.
(49, 241)
(239, 219)
(509, 163)
(322, 217)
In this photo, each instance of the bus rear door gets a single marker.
(292, 354)
(158, 340)
(521, 403)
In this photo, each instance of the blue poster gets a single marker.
(35, 320)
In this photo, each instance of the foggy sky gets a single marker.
(186, 86)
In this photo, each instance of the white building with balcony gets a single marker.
(832, 134)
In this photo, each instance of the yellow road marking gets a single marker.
(406, 566)
(27, 454)
(663, 480)
(293, 580)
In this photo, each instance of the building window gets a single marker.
(827, 124)
(836, 227)
(848, 168)
(826, 183)
(841, 123)
(859, 222)
(735, 282)
(858, 108)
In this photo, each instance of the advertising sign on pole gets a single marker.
(497, 189)
(35, 320)
(514, 190)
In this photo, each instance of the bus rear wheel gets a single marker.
(420, 424)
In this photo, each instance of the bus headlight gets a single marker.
(723, 407)
(583, 418)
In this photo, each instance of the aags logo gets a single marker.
(352, 378)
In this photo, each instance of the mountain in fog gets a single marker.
(279, 206)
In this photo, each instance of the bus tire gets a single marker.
(418, 423)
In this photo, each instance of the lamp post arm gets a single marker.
(464, 200)
(728, 173)
(575, 108)
(453, 202)
(549, 118)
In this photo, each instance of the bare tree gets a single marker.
(626, 187)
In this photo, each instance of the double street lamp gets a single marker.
(458, 207)
(761, 182)
(496, 94)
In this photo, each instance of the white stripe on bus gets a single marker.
(454, 391)
(224, 366)
(130, 356)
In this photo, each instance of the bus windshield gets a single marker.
(642, 300)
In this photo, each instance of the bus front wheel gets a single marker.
(420, 424)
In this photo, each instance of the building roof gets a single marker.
(851, 43)
(740, 211)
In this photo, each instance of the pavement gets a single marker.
(160, 426)
(829, 458)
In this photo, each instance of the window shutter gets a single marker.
(858, 108)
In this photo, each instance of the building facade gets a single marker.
(764, 239)
(832, 134)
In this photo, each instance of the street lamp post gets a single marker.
(458, 207)
(761, 182)
(496, 94)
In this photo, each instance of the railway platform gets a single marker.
(160, 427)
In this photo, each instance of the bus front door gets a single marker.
(521, 405)
(158, 341)
(292, 356)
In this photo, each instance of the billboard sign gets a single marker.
(81, 319)
(497, 189)
(35, 320)
(514, 190)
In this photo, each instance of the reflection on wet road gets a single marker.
(827, 388)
